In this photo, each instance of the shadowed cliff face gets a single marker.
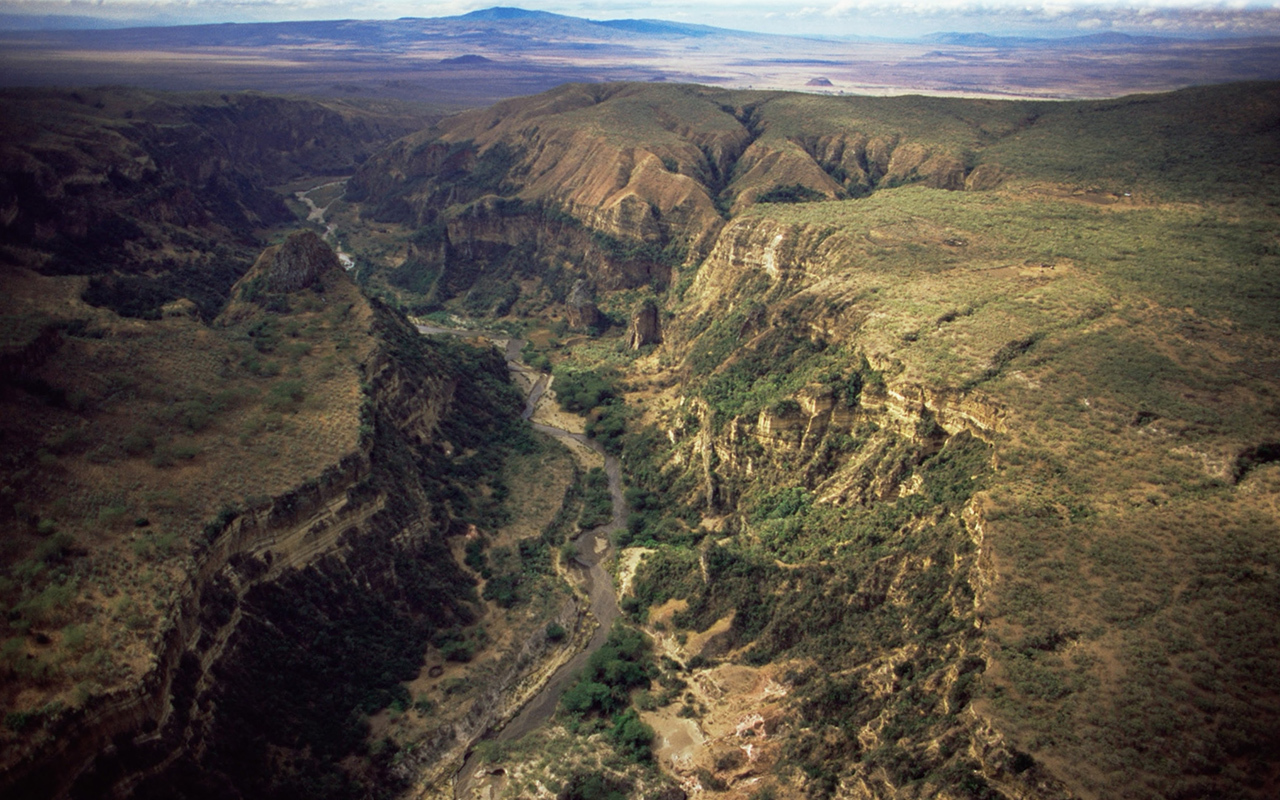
(297, 616)
(292, 652)
(902, 425)
(624, 185)
(158, 197)
(940, 485)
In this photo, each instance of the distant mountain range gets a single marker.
(505, 15)
(1089, 40)
(511, 51)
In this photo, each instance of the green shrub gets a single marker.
(632, 737)
(623, 663)
(594, 786)
(581, 390)
(502, 590)
(285, 396)
(597, 506)
(792, 193)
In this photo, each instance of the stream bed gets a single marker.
(593, 548)
(316, 213)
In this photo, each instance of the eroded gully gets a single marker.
(593, 548)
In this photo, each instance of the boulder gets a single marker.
(298, 262)
(580, 308)
(646, 326)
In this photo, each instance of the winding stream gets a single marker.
(593, 548)
(316, 214)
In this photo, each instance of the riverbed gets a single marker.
(593, 547)
(316, 213)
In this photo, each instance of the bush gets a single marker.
(632, 737)
(286, 395)
(597, 507)
(455, 646)
(594, 786)
(623, 663)
(793, 193)
(502, 590)
(609, 426)
(581, 390)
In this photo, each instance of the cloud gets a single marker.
(881, 17)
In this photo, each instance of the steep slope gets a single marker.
(224, 535)
(622, 185)
(935, 489)
(949, 427)
(159, 197)
(236, 656)
(640, 177)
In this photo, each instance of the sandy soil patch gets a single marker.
(628, 561)
(549, 413)
(662, 614)
(698, 642)
(679, 740)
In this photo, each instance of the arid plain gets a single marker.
(483, 57)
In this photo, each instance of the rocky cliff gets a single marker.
(958, 429)
(917, 443)
(293, 609)
(157, 196)
(624, 184)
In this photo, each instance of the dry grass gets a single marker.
(1130, 576)
(126, 441)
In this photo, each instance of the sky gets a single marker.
(896, 18)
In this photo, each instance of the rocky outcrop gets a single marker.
(645, 174)
(580, 308)
(297, 263)
(645, 327)
(159, 197)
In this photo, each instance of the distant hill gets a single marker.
(1110, 39)
(466, 60)
(413, 58)
(508, 13)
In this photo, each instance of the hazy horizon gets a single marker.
(842, 18)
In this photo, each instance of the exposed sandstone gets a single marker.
(580, 308)
(646, 326)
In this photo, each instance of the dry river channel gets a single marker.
(315, 213)
(593, 548)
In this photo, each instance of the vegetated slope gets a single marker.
(960, 491)
(224, 529)
(622, 184)
(225, 545)
(157, 197)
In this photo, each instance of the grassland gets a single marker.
(130, 437)
(985, 479)
(1149, 331)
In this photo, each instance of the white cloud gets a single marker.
(883, 17)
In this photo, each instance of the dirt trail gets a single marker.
(593, 549)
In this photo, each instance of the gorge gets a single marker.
(929, 444)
